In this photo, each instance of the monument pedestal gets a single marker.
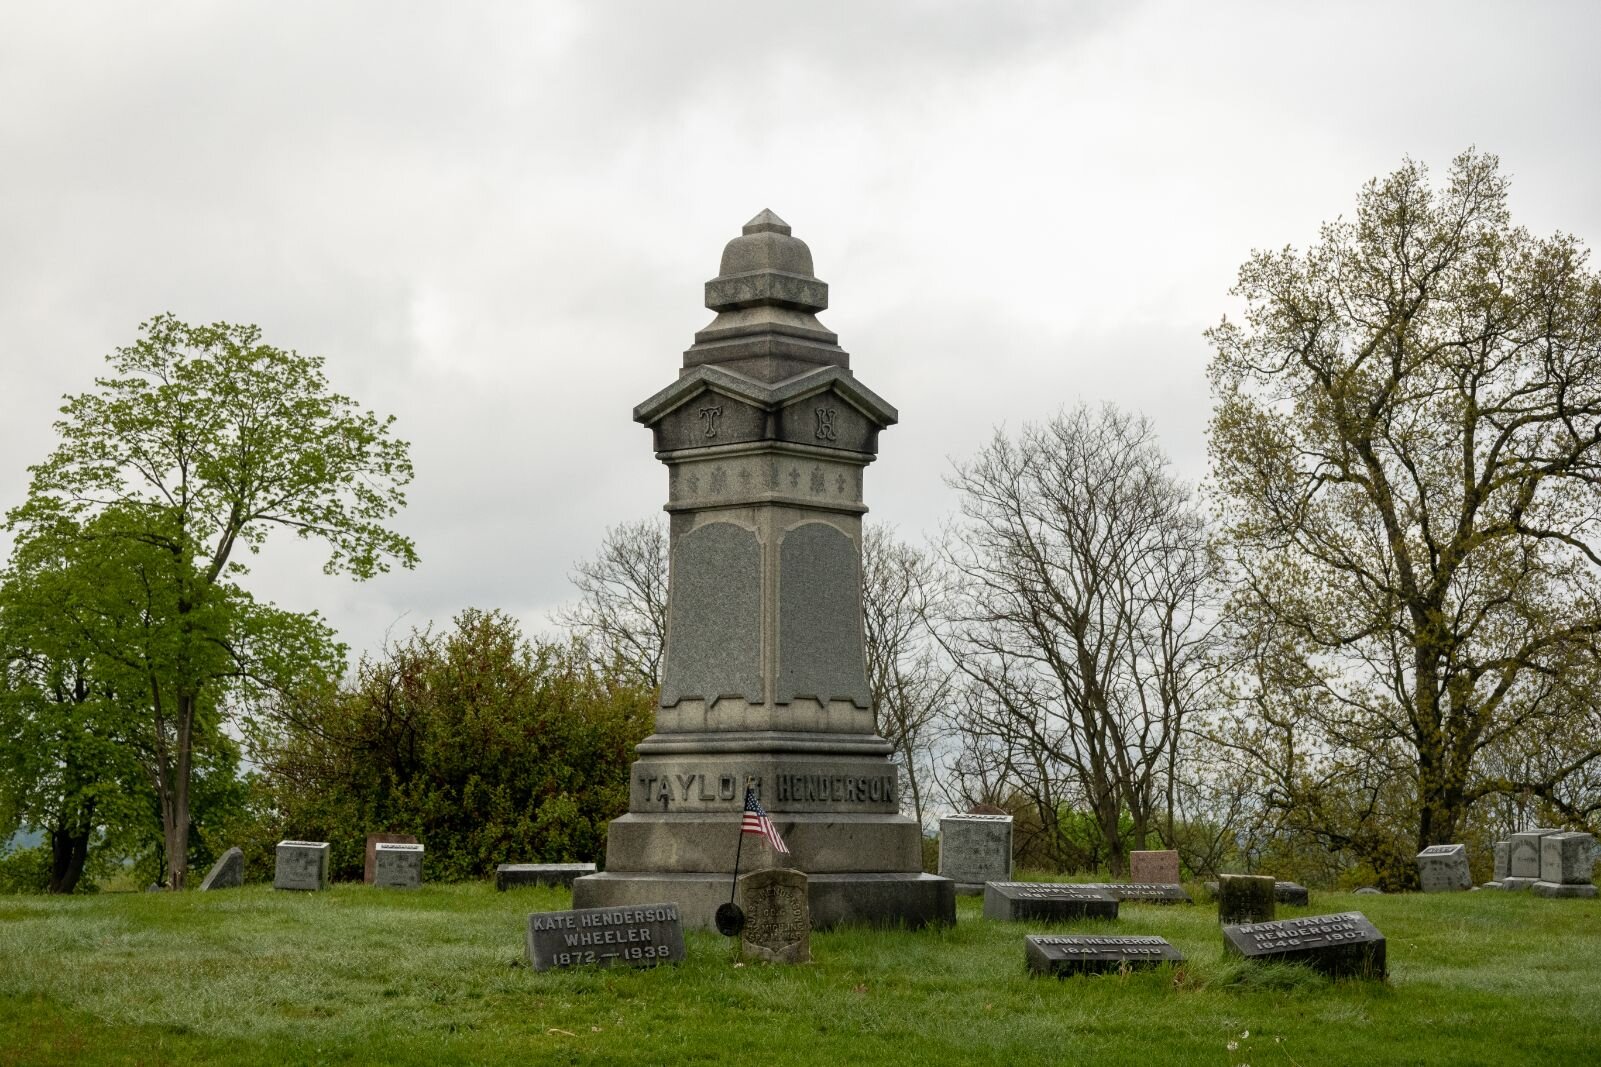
(765, 435)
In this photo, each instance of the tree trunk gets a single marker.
(69, 849)
(178, 825)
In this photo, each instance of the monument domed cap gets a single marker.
(766, 266)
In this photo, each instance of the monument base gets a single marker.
(1557, 889)
(908, 900)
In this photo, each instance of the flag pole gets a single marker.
(733, 887)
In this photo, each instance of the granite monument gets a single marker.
(765, 434)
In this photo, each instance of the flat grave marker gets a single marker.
(519, 875)
(1063, 955)
(629, 935)
(1341, 945)
(1047, 901)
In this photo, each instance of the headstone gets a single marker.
(516, 875)
(1568, 859)
(1291, 893)
(766, 434)
(1096, 955)
(373, 841)
(975, 849)
(1370, 891)
(301, 865)
(1341, 945)
(1149, 892)
(778, 922)
(1501, 860)
(1523, 854)
(1154, 867)
(1444, 869)
(1245, 898)
(397, 865)
(227, 873)
(1047, 901)
(635, 935)
(1567, 866)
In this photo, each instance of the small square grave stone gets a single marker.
(1096, 955)
(228, 872)
(630, 935)
(301, 865)
(1154, 867)
(1047, 901)
(519, 875)
(1444, 869)
(373, 841)
(1245, 898)
(397, 865)
(1341, 945)
(974, 849)
(778, 919)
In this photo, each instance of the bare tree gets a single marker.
(1080, 607)
(909, 679)
(622, 610)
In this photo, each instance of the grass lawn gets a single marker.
(437, 975)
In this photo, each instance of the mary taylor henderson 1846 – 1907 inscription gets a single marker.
(635, 935)
(1345, 944)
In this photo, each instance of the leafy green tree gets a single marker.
(487, 747)
(201, 442)
(1407, 443)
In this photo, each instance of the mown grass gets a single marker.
(358, 975)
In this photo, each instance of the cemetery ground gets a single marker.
(438, 975)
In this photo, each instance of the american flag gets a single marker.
(757, 822)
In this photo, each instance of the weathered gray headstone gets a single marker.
(1047, 901)
(633, 935)
(1370, 891)
(1096, 955)
(766, 433)
(397, 865)
(1245, 898)
(1523, 854)
(1444, 869)
(1154, 867)
(301, 865)
(516, 875)
(228, 872)
(373, 841)
(1567, 859)
(1291, 893)
(778, 920)
(1502, 860)
(1342, 945)
(975, 849)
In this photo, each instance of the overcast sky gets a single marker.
(495, 221)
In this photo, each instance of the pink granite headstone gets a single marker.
(1153, 868)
